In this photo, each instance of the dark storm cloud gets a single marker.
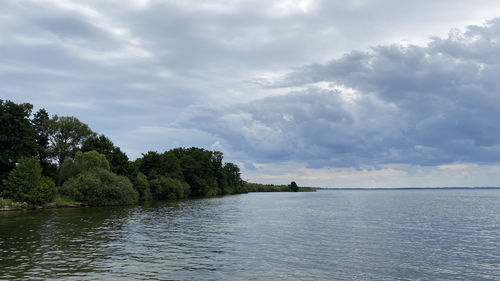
(419, 105)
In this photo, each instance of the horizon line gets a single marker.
(406, 188)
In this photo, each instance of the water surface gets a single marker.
(327, 235)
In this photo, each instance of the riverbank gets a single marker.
(8, 205)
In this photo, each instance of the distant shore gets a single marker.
(403, 188)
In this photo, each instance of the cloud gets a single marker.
(254, 77)
(420, 105)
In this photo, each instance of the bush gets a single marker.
(164, 188)
(62, 202)
(5, 203)
(100, 187)
(83, 162)
(26, 184)
(141, 184)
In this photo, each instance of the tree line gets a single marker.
(292, 187)
(44, 158)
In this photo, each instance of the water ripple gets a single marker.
(337, 235)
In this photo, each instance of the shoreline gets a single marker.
(21, 206)
(51, 205)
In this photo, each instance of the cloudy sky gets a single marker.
(364, 93)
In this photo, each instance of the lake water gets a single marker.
(327, 235)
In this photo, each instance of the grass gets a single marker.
(5, 202)
(8, 204)
(63, 202)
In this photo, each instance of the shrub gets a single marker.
(83, 162)
(61, 202)
(26, 184)
(141, 184)
(5, 203)
(164, 188)
(100, 187)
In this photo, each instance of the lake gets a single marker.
(326, 235)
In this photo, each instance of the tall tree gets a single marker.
(151, 164)
(233, 177)
(118, 160)
(294, 187)
(198, 172)
(171, 166)
(67, 134)
(41, 126)
(83, 162)
(16, 135)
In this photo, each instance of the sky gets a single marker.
(363, 93)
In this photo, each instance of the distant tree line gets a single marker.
(292, 187)
(45, 158)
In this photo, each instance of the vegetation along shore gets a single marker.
(59, 161)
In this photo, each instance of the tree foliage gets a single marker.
(66, 135)
(100, 187)
(202, 170)
(25, 183)
(87, 178)
(88, 165)
(17, 137)
(258, 187)
(233, 178)
(41, 127)
(141, 184)
(83, 162)
(294, 187)
(164, 188)
(117, 159)
(154, 164)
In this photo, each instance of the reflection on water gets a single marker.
(340, 235)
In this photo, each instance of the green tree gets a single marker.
(88, 178)
(219, 172)
(25, 183)
(294, 187)
(199, 173)
(164, 188)
(41, 126)
(151, 164)
(118, 160)
(142, 186)
(66, 135)
(171, 166)
(100, 187)
(154, 164)
(233, 177)
(83, 162)
(16, 135)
